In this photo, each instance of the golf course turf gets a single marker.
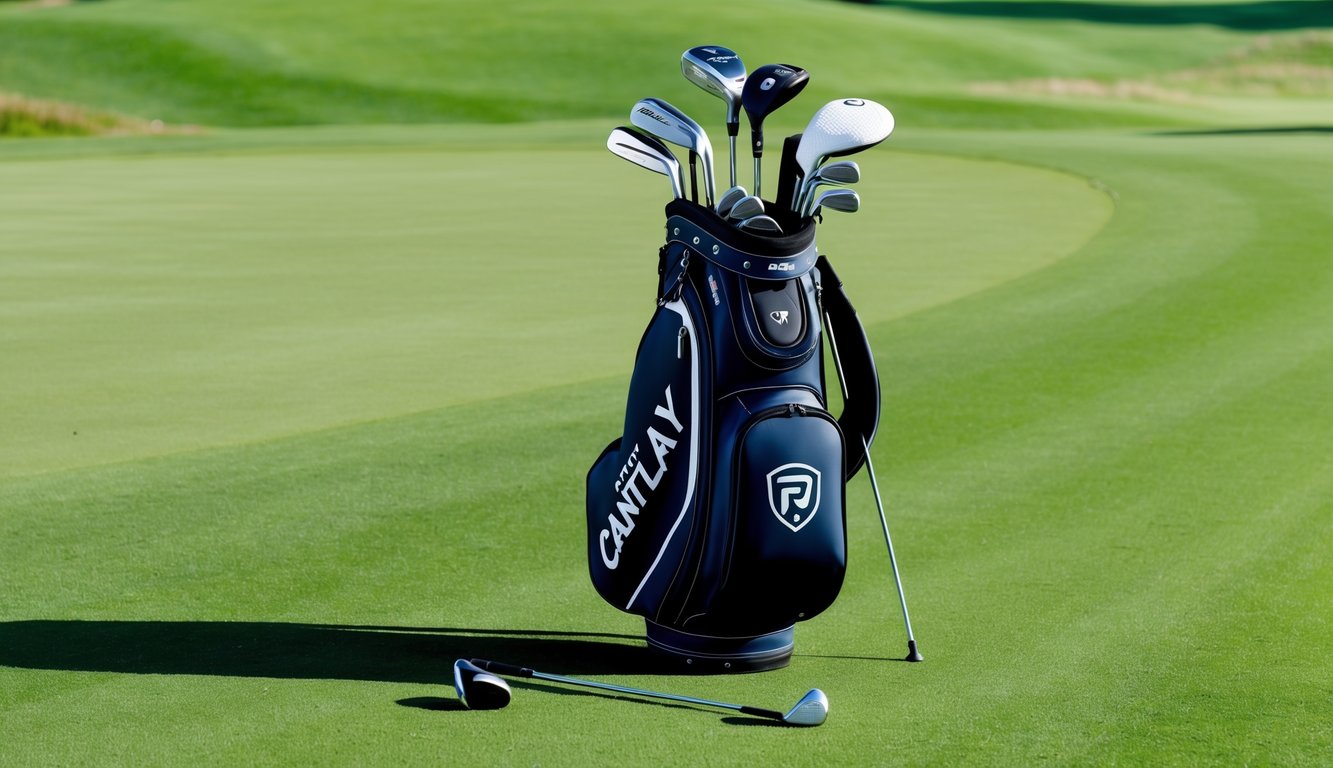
(297, 397)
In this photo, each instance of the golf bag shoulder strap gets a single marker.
(855, 365)
(757, 256)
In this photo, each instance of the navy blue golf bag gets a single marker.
(718, 515)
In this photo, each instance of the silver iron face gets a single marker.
(479, 689)
(664, 121)
(811, 710)
(746, 207)
(729, 199)
(763, 224)
(647, 152)
(844, 200)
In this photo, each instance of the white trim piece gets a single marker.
(679, 308)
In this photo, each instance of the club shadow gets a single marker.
(307, 651)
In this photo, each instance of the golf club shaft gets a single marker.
(912, 654)
(513, 671)
(731, 143)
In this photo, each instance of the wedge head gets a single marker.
(812, 709)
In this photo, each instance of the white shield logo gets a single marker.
(793, 494)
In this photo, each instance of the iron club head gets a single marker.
(812, 709)
(664, 121)
(647, 152)
(479, 689)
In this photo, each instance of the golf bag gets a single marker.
(718, 515)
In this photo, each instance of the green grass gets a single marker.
(295, 416)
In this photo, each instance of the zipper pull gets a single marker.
(680, 342)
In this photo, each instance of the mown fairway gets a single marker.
(296, 409)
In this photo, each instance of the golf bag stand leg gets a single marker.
(838, 312)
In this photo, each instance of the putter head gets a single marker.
(479, 689)
(811, 710)
(719, 71)
(766, 89)
(842, 127)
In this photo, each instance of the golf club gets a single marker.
(719, 71)
(844, 200)
(479, 689)
(647, 152)
(812, 709)
(766, 89)
(761, 224)
(912, 653)
(841, 127)
(671, 125)
(730, 198)
(839, 173)
(746, 207)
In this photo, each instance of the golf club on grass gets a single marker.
(479, 689)
(669, 124)
(812, 709)
(647, 152)
(719, 71)
(766, 89)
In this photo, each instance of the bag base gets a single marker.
(703, 654)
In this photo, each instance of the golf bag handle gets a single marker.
(855, 364)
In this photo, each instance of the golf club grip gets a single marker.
(502, 669)
(758, 712)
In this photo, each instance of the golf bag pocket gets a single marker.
(783, 554)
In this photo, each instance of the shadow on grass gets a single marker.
(307, 651)
(1253, 16)
(1268, 131)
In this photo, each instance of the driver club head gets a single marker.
(812, 709)
(479, 689)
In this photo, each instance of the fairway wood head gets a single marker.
(479, 689)
(842, 127)
(766, 89)
(719, 71)
(746, 207)
(729, 199)
(762, 224)
(647, 152)
(812, 709)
